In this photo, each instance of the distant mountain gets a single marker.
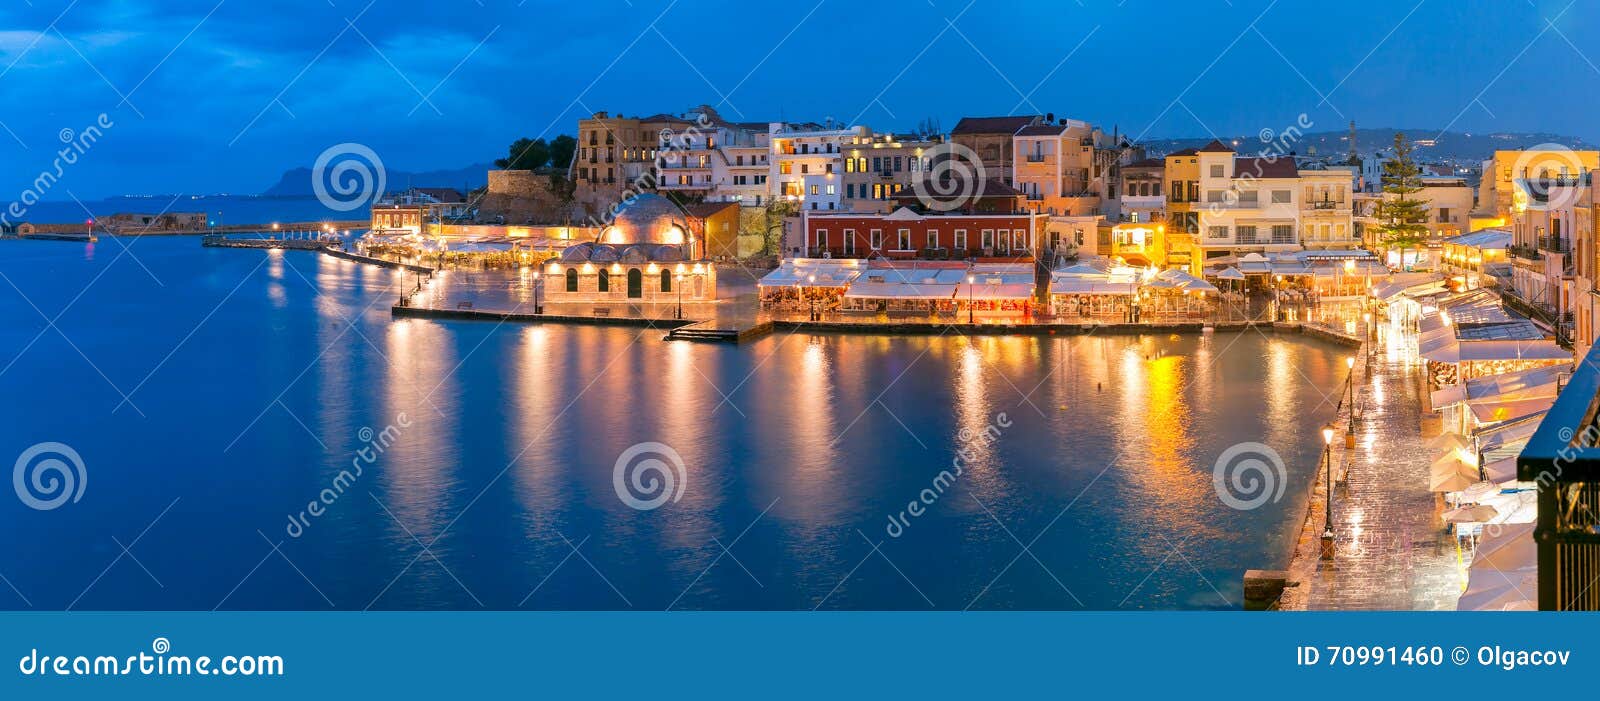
(1457, 148)
(297, 182)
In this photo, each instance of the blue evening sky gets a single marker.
(210, 96)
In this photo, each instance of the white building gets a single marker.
(806, 163)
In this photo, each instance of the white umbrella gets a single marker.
(1506, 549)
(1493, 590)
(1449, 440)
(1478, 513)
(1452, 479)
(1478, 492)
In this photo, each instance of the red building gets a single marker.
(904, 234)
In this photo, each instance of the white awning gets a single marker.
(893, 290)
(1089, 286)
(981, 290)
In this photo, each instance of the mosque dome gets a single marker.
(647, 218)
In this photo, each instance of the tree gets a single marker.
(928, 128)
(776, 211)
(561, 151)
(1400, 214)
(526, 154)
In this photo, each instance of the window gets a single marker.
(822, 238)
(903, 239)
(1215, 196)
(1247, 234)
(1249, 197)
(1280, 197)
(813, 190)
(666, 280)
(1283, 233)
(605, 280)
(961, 238)
(1217, 232)
(849, 241)
(988, 238)
(875, 239)
(572, 279)
(833, 190)
(1216, 171)
(933, 238)
(1003, 240)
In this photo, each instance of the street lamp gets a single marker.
(680, 277)
(1350, 380)
(536, 308)
(811, 280)
(970, 280)
(1327, 462)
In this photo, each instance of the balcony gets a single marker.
(1035, 158)
(1554, 244)
(1328, 204)
(1523, 252)
(1562, 460)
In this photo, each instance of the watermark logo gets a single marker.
(348, 177)
(375, 444)
(955, 177)
(49, 475)
(1550, 172)
(75, 144)
(971, 443)
(1248, 475)
(648, 475)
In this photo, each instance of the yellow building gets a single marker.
(1497, 188)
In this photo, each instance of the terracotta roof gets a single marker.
(1265, 167)
(992, 125)
(1184, 152)
(1215, 147)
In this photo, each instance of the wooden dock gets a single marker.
(704, 332)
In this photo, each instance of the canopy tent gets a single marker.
(1524, 384)
(1499, 590)
(1506, 549)
(1487, 412)
(899, 290)
(1231, 274)
(1449, 440)
(1449, 474)
(1074, 285)
(812, 272)
(1498, 350)
(1477, 513)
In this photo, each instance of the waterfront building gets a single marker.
(998, 235)
(1496, 189)
(1470, 335)
(1140, 195)
(1248, 204)
(1181, 175)
(1545, 214)
(1477, 259)
(808, 163)
(1326, 210)
(648, 254)
(807, 285)
(715, 225)
(992, 139)
(1053, 165)
(879, 167)
(1584, 283)
(615, 154)
(704, 156)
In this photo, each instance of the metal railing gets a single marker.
(1562, 460)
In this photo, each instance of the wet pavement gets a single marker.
(1392, 550)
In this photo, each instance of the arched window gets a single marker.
(605, 281)
(666, 280)
(572, 279)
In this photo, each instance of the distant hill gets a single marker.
(1459, 148)
(297, 182)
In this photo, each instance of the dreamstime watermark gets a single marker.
(671, 146)
(48, 475)
(969, 442)
(76, 144)
(1550, 172)
(348, 176)
(377, 442)
(1248, 475)
(955, 177)
(1275, 145)
(648, 475)
(156, 663)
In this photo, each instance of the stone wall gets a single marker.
(520, 197)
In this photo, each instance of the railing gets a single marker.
(1554, 244)
(1524, 252)
(1327, 204)
(1562, 460)
(1035, 158)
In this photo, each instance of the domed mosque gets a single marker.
(648, 253)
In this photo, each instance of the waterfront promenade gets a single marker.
(1392, 551)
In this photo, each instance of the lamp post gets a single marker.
(811, 280)
(537, 309)
(1327, 462)
(680, 277)
(970, 280)
(1350, 427)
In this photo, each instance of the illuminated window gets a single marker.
(875, 239)
(961, 238)
(903, 239)
(933, 238)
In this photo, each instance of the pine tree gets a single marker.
(1401, 215)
